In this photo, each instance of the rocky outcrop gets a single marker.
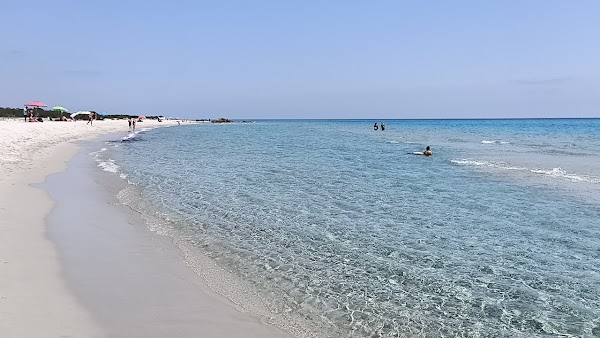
(221, 120)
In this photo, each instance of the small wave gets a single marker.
(565, 152)
(499, 165)
(538, 145)
(494, 142)
(394, 142)
(109, 166)
(558, 173)
(561, 173)
(129, 136)
(96, 154)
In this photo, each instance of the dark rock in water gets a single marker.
(221, 120)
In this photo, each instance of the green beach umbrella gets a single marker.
(61, 109)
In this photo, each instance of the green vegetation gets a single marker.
(44, 113)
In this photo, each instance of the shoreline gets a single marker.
(133, 281)
(36, 296)
(34, 300)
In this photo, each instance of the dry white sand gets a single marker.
(35, 299)
(22, 144)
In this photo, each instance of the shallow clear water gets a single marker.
(496, 235)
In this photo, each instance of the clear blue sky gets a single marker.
(304, 59)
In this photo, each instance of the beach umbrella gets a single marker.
(79, 112)
(60, 109)
(36, 104)
(141, 117)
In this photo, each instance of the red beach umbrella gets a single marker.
(36, 104)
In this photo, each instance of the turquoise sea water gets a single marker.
(338, 226)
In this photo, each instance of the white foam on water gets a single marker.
(494, 142)
(130, 136)
(499, 165)
(109, 166)
(557, 173)
(561, 173)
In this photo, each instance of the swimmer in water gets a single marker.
(427, 152)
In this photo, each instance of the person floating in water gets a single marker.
(427, 152)
(375, 127)
(382, 126)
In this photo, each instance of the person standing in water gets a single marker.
(382, 126)
(129, 121)
(375, 127)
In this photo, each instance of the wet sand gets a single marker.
(75, 263)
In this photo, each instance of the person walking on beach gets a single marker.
(25, 113)
(90, 119)
(129, 121)
(375, 127)
(133, 123)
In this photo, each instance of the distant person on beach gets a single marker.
(133, 124)
(375, 127)
(25, 113)
(382, 126)
(90, 119)
(129, 121)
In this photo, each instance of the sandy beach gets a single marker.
(52, 285)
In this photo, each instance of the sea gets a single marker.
(332, 227)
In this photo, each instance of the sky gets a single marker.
(304, 59)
